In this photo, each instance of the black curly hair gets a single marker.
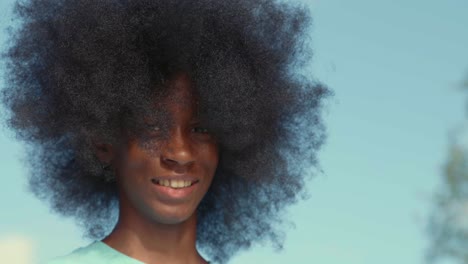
(77, 70)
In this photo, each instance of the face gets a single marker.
(166, 180)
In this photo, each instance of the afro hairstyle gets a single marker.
(77, 70)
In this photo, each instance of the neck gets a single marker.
(153, 242)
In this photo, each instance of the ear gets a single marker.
(105, 152)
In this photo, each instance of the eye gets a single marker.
(199, 129)
(153, 128)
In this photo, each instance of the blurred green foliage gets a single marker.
(448, 223)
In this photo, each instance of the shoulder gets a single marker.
(89, 254)
(94, 253)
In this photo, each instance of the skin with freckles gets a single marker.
(157, 224)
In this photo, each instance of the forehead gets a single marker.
(180, 94)
(181, 89)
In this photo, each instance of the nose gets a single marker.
(177, 152)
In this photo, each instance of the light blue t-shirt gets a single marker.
(97, 252)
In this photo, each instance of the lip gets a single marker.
(172, 195)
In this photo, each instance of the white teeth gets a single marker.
(175, 183)
(180, 184)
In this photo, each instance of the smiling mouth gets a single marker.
(174, 184)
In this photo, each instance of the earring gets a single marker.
(107, 173)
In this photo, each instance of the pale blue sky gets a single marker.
(394, 67)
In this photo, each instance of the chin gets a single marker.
(172, 215)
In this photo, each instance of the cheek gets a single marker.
(134, 182)
(133, 170)
(133, 166)
(209, 157)
(137, 157)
